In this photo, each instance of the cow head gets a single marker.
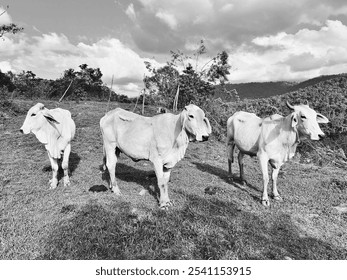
(306, 120)
(195, 123)
(36, 118)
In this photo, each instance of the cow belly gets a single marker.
(134, 148)
(247, 147)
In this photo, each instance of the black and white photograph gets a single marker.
(181, 131)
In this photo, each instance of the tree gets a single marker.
(195, 83)
(83, 84)
(9, 28)
(5, 80)
(163, 81)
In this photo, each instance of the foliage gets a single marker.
(80, 85)
(257, 90)
(328, 97)
(163, 80)
(195, 84)
(5, 81)
(9, 28)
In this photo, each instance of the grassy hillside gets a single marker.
(85, 221)
(268, 89)
(328, 97)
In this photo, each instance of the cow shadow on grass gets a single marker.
(203, 228)
(253, 191)
(127, 173)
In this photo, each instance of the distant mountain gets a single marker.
(258, 90)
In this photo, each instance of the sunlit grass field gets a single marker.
(87, 221)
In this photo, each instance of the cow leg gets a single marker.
(163, 177)
(275, 172)
(54, 164)
(263, 161)
(111, 161)
(231, 147)
(65, 165)
(165, 200)
(240, 160)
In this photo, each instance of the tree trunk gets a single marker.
(61, 98)
(137, 100)
(143, 102)
(174, 109)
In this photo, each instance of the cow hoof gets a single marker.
(278, 198)
(265, 202)
(67, 183)
(52, 185)
(166, 205)
(116, 192)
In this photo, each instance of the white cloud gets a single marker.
(167, 18)
(284, 56)
(130, 12)
(5, 18)
(227, 8)
(225, 22)
(5, 66)
(50, 54)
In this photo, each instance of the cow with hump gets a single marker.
(161, 139)
(55, 129)
(273, 140)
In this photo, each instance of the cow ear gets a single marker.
(183, 116)
(50, 118)
(294, 120)
(321, 119)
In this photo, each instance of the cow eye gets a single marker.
(191, 116)
(303, 117)
(33, 114)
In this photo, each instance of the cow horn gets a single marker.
(289, 105)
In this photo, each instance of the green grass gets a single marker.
(86, 221)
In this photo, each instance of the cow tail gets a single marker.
(103, 158)
(231, 148)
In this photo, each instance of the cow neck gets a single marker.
(49, 135)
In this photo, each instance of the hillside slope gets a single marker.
(258, 90)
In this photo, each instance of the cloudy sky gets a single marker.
(267, 40)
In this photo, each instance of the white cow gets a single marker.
(55, 129)
(273, 140)
(161, 139)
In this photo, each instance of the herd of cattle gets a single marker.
(163, 140)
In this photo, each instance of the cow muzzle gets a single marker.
(24, 131)
(317, 136)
